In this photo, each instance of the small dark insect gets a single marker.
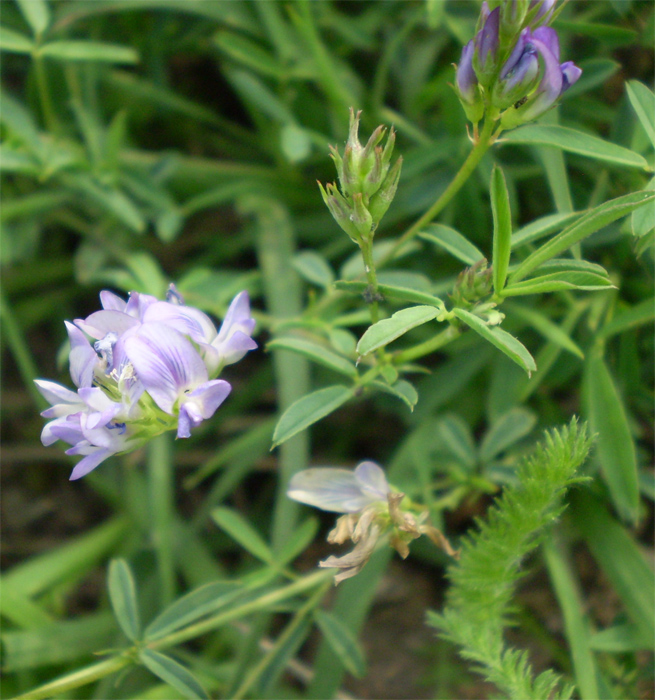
(522, 101)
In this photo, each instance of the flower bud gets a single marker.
(340, 210)
(512, 14)
(486, 49)
(382, 199)
(467, 85)
(555, 79)
(518, 75)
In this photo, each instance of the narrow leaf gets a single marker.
(14, 41)
(310, 409)
(456, 436)
(576, 625)
(575, 141)
(630, 318)
(243, 532)
(505, 342)
(389, 329)
(620, 639)
(316, 353)
(591, 222)
(89, 51)
(36, 13)
(122, 593)
(642, 100)
(191, 607)
(543, 325)
(298, 541)
(173, 673)
(615, 445)
(452, 241)
(389, 291)
(314, 268)
(620, 557)
(540, 228)
(342, 641)
(402, 390)
(502, 216)
(558, 281)
(508, 429)
(56, 643)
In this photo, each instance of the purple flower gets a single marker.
(149, 367)
(555, 78)
(174, 375)
(519, 73)
(467, 82)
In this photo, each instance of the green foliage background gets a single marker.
(149, 141)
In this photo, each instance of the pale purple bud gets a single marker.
(545, 9)
(486, 48)
(467, 82)
(570, 74)
(173, 296)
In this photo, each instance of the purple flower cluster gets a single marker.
(513, 64)
(150, 366)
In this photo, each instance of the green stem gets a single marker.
(49, 114)
(299, 618)
(371, 276)
(77, 679)
(486, 138)
(428, 347)
(161, 497)
(263, 603)
(283, 294)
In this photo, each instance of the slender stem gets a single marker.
(161, 492)
(487, 137)
(275, 249)
(77, 679)
(49, 114)
(371, 276)
(264, 602)
(428, 347)
(298, 619)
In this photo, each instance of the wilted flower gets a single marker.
(371, 508)
(149, 367)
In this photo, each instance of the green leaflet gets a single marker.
(615, 445)
(591, 222)
(318, 353)
(575, 141)
(642, 100)
(452, 241)
(558, 281)
(88, 51)
(173, 673)
(505, 342)
(122, 593)
(239, 529)
(309, 409)
(192, 606)
(502, 216)
(343, 642)
(389, 329)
